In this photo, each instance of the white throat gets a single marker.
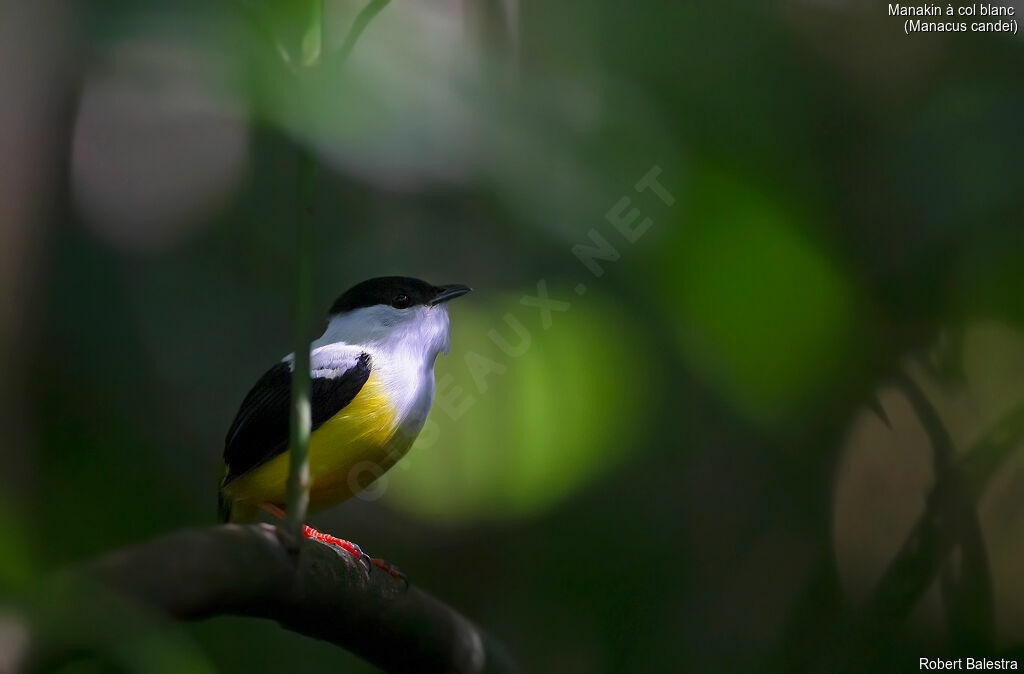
(421, 331)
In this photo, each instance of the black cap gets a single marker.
(400, 292)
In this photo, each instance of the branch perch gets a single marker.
(323, 593)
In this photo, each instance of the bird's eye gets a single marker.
(400, 302)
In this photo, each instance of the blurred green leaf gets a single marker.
(990, 281)
(312, 38)
(76, 625)
(765, 315)
(550, 421)
(16, 565)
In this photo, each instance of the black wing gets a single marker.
(260, 429)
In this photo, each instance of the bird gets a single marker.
(372, 385)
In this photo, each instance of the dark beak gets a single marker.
(449, 292)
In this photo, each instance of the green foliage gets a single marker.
(77, 627)
(536, 428)
(16, 564)
(766, 315)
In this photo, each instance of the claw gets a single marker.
(391, 569)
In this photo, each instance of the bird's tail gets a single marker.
(230, 510)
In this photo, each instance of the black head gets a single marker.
(400, 292)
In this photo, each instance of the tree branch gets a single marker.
(323, 593)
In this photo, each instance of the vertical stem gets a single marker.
(359, 24)
(313, 38)
(308, 178)
(301, 420)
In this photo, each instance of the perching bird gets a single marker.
(372, 385)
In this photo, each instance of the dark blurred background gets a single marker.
(706, 458)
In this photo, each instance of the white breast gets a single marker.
(403, 345)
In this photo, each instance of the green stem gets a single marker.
(299, 480)
(359, 24)
(301, 419)
(308, 178)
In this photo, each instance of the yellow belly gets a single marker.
(346, 453)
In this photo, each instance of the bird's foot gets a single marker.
(352, 548)
(357, 552)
